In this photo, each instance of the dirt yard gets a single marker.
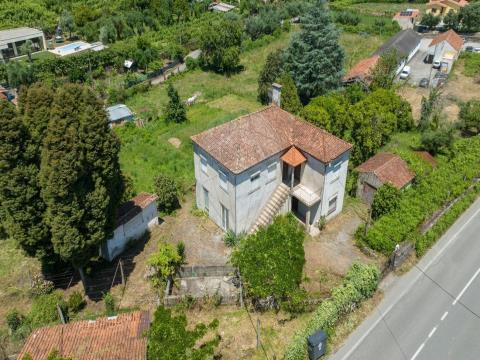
(459, 88)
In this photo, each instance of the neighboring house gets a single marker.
(119, 114)
(134, 218)
(362, 71)
(11, 41)
(119, 337)
(381, 169)
(406, 43)
(446, 48)
(406, 19)
(266, 163)
(443, 7)
(221, 7)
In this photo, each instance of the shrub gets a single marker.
(470, 117)
(322, 222)
(231, 239)
(44, 309)
(167, 191)
(175, 110)
(271, 260)
(347, 18)
(75, 302)
(181, 251)
(110, 308)
(14, 320)
(165, 263)
(437, 141)
(40, 286)
(385, 200)
(360, 283)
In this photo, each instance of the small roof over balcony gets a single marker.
(293, 157)
(305, 195)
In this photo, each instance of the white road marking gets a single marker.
(366, 333)
(432, 332)
(444, 315)
(418, 351)
(466, 287)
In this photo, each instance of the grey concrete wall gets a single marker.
(369, 178)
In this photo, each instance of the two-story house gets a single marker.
(266, 163)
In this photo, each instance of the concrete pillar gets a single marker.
(15, 49)
(292, 177)
(307, 221)
(276, 93)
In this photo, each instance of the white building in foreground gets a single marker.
(266, 163)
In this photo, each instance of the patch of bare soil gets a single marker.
(203, 245)
(175, 142)
(330, 254)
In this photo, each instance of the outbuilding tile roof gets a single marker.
(389, 168)
(449, 36)
(362, 69)
(250, 139)
(116, 338)
(130, 209)
(293, 157)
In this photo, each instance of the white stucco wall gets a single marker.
(335, 180)
(441, 49)
(133, 229)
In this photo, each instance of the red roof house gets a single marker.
(361, 71)
(119, 337)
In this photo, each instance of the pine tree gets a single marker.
(289, 99)
(79, 175)
(314, 56)
(175, 110)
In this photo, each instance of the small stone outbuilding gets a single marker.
(381, 169)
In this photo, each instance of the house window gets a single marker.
(272, 172)
(203, 164)
(255, 182)
(223, 180)
(206, 200)
(224, 218)
(332, 204)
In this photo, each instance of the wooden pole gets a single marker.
(60, 314)
(258, 333)
(121, 272)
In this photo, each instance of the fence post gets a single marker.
(121, 272)
(60, 313)
(258, 333)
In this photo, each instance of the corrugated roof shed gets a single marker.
(119, 112)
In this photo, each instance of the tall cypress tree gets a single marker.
(79, 175)
(314, 56)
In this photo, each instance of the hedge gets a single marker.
(424, 242)
(359, 284)
(432, 192)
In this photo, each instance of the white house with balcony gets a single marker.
(267, 163)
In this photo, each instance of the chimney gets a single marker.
(276, 93)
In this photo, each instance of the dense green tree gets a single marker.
(145, 53)
(163, 9)
(169, 337)
(108, 33)
(271, 260)
(430, 20)
(19, 73)
(469, 17)
(470, 117)
(451, 20)
(79, 175)
(166, 189)
(429, 109)
(384, 72)
(314, 57)
(385, 200)
(337, 107)
(289, 99)
(26, 49)
(438, 141)
(270, 72)
(175, 110)
(220, 43)
(181, 10)
(67, 22)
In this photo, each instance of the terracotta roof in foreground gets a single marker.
(250, 139)
(389, 168)
(449, 36)
(116, 338)
(130, 209)
(362, 69)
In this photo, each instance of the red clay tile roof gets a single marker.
(130, 209)
(449, 3)
(362, 69)
(3, 96)
(250, 139)
(451, 37)
(426, 156)
(119, 338)
(293, 157)
(388, 168)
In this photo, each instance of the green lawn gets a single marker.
(146, 151)
(383, 9)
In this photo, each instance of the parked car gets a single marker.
(405, 73)
(476, 50)
(436, 64)
(469, 49)
(424, 82)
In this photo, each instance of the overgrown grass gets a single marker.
(384, 9)
(471, 64)
(358, 47)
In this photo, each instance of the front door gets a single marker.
(224, 218)
(296, 174)
(285, 174)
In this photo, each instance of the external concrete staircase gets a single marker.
(272, 208)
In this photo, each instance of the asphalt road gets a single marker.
(433, 311)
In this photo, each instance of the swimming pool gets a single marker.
(74, 47)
